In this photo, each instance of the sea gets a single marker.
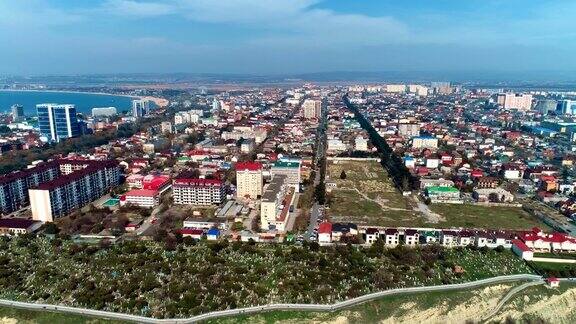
(84, 101)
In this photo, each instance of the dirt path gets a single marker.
(431, 216)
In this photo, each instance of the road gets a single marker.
(511, 294)
(314, 215)
(272, 307)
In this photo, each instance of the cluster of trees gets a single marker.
(392, 162)
(146, 278)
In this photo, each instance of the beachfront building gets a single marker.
(57, 122)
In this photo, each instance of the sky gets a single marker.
(269, 37)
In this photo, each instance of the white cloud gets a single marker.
(137, 8)
(34, 13)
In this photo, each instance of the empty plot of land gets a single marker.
(366, 196)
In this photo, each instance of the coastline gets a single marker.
(160, 102)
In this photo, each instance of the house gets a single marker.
(342, 230)
(191, 232)
(411, 237)
(553, 282)
(133, 225)
(493, 195)
(448, 238)
(17, 226)
(391, 237)
(325, 232)
(522, 250)
(213, 234)
(372, 235)
(443, 194)
(487, 182)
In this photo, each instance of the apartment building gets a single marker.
(276, 202)
(291, 169)
(515, 101)
(198, 191)
(87, 181)
(249, 180)
(312, 108)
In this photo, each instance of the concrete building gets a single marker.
(396, 88)
(419, 90)
(188, 191)
(86, 182)
(567, 107)
(424, 142)
(545, 106)
(408, 129)
(249, 180)
(17, 113)
(275, 204)
(312, 108)
(104, 111)
(140, 108)
(361, 144)
(515, 101)
(57, 122)
(291, 169)
(166, 127)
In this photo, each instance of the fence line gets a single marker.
(270, 307)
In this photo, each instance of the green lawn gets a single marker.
(474, 216)
(41, 317)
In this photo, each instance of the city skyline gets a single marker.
(294, 36)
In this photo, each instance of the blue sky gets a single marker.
(285, 36)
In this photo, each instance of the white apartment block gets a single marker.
(198, 192)
(515, 101)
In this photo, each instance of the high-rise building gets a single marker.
(140, 108)
(57, 122)
(515, 101)
(567, 107)
(546, 105)
(249, 180)
(215, 105)
(408, 129)
(17, 112)
(312, 108)
(275, 204)
(441, 87)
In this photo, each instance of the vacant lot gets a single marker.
(366, 196)
(474, 216)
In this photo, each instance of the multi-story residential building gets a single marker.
(145, 198)
(291, 169)
(312, 108)
(14, 186)
(396, 88)
(275, 204)
(57, 122)
(249, 180)
(515, 101)
(86, 182)
(408, 129)
(198, 191)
